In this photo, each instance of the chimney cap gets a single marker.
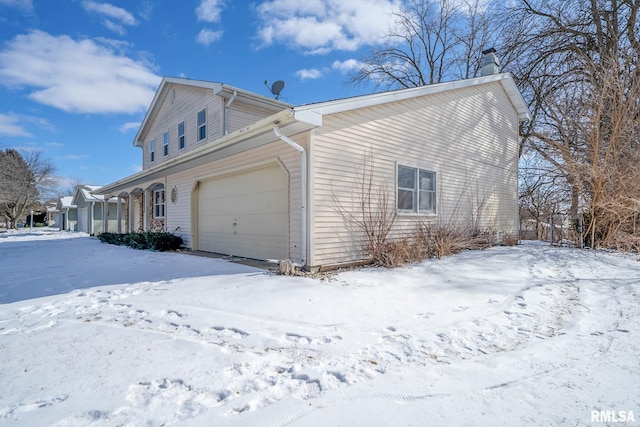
(488, 51)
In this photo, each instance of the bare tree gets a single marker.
(22, 178)
(576, 62)
(430, 42)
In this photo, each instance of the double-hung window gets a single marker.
(416, 190)
(158, 203)
(152, 150)
(181, 135)
(165, 144)
(202, 125)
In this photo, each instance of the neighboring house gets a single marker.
(93, 213)
(52, 215)
(68, 214)
(237, 173)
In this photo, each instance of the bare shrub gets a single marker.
(372, 212)
(510, 240)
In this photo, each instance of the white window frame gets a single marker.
(159, 202)
(152, 151)
(202, 125)
(417, 192)
(181, 136)
(165, 144)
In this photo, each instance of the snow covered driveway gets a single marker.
(527, 335)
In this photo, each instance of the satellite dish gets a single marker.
(276, 87)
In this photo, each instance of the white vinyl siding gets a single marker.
(468, 137)
(188, 101)
(242, 115)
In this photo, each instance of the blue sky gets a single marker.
(77, 76)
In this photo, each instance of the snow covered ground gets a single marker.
(98, 335)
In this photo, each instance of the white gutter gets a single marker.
(303, 167)
(226, 112)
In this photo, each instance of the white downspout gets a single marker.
(303, 167)
(226, 112)
(91, 219)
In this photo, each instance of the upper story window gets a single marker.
(181, 135)
(158, 203)
(416, 190)
(152, 150)
(165, 144)
(202, 124)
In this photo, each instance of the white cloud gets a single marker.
(210, 10)
(347, 66)
(11, 125)
(129, 126)
(147, 10)
(206, 37)
(26, 5)
(115, 18)
(81, 76)
(309, 74)
(322, 26)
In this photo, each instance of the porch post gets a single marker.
(119, 214)
(131, 213)
(105, 215)
(145, 210)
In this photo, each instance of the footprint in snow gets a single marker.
(460, 308)
(230, 332)
(424, 315)
(172, 314)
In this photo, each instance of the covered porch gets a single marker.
(138, 208)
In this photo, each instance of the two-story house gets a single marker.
(237, 173)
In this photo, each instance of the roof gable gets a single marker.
(65, 202)
(219, 89)
(84, 194)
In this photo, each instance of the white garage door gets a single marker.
(245, 214)
(83, 219)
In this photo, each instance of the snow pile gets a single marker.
(528, 335)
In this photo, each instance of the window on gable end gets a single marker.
(416, 190)
(152, 150)
(202, 124)
(181, 142)
(165, 144)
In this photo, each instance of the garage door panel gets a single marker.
(245, 214)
